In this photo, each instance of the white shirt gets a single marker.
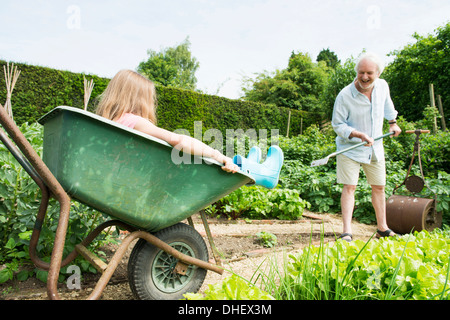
(354, 111)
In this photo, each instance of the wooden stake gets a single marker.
(441, 110)
(288, 124)
(301, 125)
(433, 105)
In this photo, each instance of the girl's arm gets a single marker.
(186, 144)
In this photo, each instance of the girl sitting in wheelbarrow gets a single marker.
(130, 99)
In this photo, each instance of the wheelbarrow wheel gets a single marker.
(153, 274)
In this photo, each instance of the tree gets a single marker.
(172, 67)
(329, 57)
(299, 86)
(415, 67)
(339, 78)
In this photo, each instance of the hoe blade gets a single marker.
(320, 162)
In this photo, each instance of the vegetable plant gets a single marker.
(409, 267)
(260, 203)
(414, 266)
(267, 239)
(232, 288)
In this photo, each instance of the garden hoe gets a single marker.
(323, 161)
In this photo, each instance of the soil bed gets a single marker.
(240, 252)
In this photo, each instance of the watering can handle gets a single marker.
(417, 131)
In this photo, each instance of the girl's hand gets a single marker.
(229, 166)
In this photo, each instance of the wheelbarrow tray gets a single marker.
(127, 174)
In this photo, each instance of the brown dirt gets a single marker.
(240, 251)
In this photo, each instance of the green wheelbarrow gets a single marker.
(137, 180)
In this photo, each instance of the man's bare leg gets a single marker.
(379, 204)
(347, 205)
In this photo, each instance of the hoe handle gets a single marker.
(417, 131)
(361, 144)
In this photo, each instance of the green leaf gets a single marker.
(41, 275)
(11, 244)
(232, 288)
(23, 275)
(5, 275)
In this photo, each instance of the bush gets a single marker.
(316, 185)
(259, 203)
(313, 144)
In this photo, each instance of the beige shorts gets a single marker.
(347, 171)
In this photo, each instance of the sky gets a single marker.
(231, 39)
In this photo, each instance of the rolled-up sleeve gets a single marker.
(389, 110)
(340, 118)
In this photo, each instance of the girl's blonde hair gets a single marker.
(128, 92)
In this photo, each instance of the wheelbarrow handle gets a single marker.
(417, 131)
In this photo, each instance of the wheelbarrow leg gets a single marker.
(214, 250)
(191, 223)
(57, 253)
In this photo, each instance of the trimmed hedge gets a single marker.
(40, 89)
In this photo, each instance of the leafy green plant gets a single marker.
(260, 203)
(232, 288)
(267, 239)
(318, 186)
(18, 192)
(413, 267)
(14, 254)
(313, 144)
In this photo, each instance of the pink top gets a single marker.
(129, 120)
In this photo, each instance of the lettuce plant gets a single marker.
(414, 266)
